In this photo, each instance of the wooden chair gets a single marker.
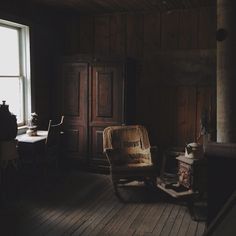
(130, 155)
(51, 152)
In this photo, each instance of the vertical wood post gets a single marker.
(226, 71)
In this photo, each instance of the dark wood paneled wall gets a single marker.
(135, 34)
(176, 57)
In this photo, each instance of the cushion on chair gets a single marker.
(133, 169)
(129, 145)
(139, 158)
(118, 157)
(113, 136)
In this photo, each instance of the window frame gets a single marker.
(24, 67)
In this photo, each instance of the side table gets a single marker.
(30, 146)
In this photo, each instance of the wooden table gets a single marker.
(25, 138)
(30, 146)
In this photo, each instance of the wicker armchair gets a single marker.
(130, 155)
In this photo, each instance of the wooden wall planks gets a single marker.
(206, 103)
(72, 42)
(186, 115)
(105, 6)
(117, 35)
(188, 36)
(140, 33)
(152, 36)
(170, 30)
(134, 35)
(101, 35)
(206, 31)
(86, 38)
(176, 58)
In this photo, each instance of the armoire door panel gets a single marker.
(75, 142)
(72, 140)
(75, 87)
(96, 143)
(104, 83)
(72, 86)
(75, 102)
(106, 94)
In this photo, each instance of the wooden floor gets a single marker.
(81, 203)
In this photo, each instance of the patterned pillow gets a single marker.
(131, 147)
(138, 158)
(119, 157)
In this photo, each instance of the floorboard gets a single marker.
(178, 221)
(185, 224)
(82, 203)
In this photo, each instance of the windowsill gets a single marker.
(22, 129)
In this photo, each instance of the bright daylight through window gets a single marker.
(15, 69)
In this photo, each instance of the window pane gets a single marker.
(10, 90)
(9, 51)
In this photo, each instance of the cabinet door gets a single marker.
(106, 103)
(74, 102)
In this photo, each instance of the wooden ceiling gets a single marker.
(125, 5)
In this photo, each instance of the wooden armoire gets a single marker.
(94, 93)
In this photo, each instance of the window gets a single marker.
(15, 69)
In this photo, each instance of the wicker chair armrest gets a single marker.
(110, 155)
